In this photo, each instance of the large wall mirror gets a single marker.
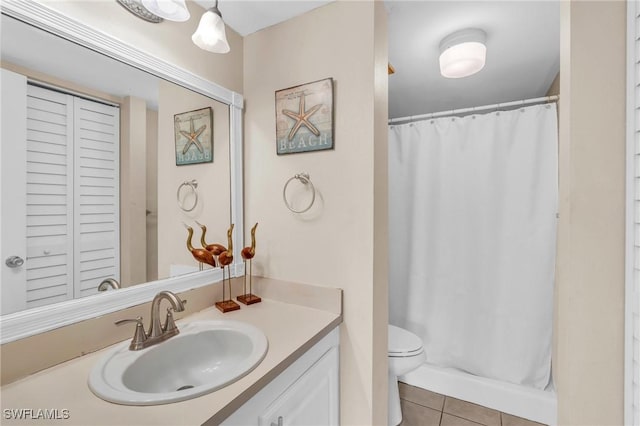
(95, 191)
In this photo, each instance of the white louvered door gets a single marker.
(49, 169)
(96, 189)
(70, 161)
(632, 315)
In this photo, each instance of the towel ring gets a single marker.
(304, 178)
(193, 184)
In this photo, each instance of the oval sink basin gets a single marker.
(204, 357)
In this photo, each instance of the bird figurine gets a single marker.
(201, 255)
(226, 257)
(215, 249)
(224, 260)
(248, 253)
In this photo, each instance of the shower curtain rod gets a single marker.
(474, 109)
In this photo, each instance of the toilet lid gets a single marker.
(402, 341)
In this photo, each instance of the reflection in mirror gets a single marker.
(93, 192)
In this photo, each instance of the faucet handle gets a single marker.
(169, 324)
(139, 336)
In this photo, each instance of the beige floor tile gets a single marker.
(449, 420)
(421, 396)
(417, 415)
(509, 420)
(473, 412)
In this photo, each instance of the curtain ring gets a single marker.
(304, 178)
(193, 184)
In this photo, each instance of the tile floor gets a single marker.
(423, 408)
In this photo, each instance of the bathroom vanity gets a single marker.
(297, 379)
(305, 393)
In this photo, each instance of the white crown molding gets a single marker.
(38, 320)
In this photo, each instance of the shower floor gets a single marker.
(421, 407)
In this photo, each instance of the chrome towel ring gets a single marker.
(193, 184)
(304, 178)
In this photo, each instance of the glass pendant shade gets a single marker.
(463, 53)
(211, 35)
(171, 10)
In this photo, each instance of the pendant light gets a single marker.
(463, 53)
(210, 34)
(171, 10)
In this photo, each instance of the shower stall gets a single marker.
(473, 214)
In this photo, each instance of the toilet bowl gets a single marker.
(405, 354)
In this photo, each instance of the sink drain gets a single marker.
(185, 387)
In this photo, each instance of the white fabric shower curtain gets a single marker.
(472, 210)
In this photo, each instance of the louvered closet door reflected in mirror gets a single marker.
(71, 167)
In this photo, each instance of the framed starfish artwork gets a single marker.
(194, 136)
(304, 117)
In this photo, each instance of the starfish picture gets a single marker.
(308, 105)
(302, 118)
(192, 137)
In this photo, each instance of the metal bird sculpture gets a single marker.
(247, 254)
(224, 260)
(200, 255)
(215, 248)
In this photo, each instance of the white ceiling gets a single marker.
(249, 16)
(523, 51)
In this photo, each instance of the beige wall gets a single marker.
(152, 195)
(341, 241)
(380, 296)
(169, 41)
(588, 362)
(214, 180)
(133, 191)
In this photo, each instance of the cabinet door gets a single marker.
(311, 400)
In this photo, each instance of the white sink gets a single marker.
(205, 356)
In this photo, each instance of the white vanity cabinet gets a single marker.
(306, 393)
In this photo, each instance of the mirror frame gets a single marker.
(33, 321)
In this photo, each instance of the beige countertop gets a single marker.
(290, 328)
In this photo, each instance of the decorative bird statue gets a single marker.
(201, 255)
(215, 249)
(226, 257)
(224, 260)
(248, 253)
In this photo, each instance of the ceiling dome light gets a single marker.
(463, 53)
(211, 35)
(171, 10)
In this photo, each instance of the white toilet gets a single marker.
(405, 354)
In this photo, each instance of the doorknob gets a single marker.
(14, 261)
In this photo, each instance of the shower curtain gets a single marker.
(472, 240)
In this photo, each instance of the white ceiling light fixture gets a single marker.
(463, 53)
(171, 10)
(211, 35)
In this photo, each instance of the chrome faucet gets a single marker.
(157, 332)
(109, 282)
